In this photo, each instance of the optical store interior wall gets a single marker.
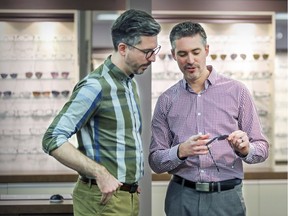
(38, 73)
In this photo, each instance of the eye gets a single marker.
(182, 54)
(148, 51)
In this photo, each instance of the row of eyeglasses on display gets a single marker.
(27, 112)
(30, 37)
(36, 94)
(38, 75)
(232, 56)
(242, 56)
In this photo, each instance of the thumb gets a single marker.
(199, 136)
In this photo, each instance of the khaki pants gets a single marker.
(86, 202)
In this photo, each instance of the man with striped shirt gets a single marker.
(104, 112)
(203, 128)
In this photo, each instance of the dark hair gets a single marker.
(131, 25)
(187, 29)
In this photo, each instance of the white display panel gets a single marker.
(38, 70)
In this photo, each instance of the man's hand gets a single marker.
(239, 142)
(195, 145)
(68, 155)
(107, 184)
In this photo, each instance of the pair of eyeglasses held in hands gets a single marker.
(220, 137)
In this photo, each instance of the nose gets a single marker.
(190, 58)
(152, 58)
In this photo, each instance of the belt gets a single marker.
(208, 186)
(131, 188)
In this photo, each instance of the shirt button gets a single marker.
(202, 171)
(199, 114)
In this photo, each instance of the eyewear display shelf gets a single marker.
(38, 70)
(35, 208)
(243, 50)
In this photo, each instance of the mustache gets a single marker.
(146, 65)
(189, 66)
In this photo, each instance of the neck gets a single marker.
(198, 85)
(118, 60)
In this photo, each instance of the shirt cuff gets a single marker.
(173, 154)
(249, 157)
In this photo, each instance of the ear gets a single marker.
(207, 50)
(122, 48)
(173, 54)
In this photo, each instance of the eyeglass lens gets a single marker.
(154, 51)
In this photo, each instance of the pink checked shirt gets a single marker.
(225, 105)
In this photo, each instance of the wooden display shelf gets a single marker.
(251, 175)
(32, 177)
(35, 207)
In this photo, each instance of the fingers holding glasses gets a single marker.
(240, 141)
(194, 145)
(237, 137)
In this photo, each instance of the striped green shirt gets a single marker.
(104, 112)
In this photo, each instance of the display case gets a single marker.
(38, 69)
(242, 47)
(281, 111)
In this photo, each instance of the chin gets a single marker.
(140, 71)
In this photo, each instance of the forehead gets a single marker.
(188, 43)
(148, 42)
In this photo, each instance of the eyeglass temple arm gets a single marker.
(210, 141)
(220, 137)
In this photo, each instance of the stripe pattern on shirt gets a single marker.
(104, 112)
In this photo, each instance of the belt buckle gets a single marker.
(202, 186)
(133, 188)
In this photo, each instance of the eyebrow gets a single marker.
(193, 50)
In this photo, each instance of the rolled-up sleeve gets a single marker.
(74, 114)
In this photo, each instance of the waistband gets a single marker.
(208, 186)
(131, 188)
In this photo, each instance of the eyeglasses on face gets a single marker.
(220, 137)
(148, 52)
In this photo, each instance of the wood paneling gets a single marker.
(186, 5)
(64, 4)
(37, 17)
(72, 176)
(220, 5)
(206, 18)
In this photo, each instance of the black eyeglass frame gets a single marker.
(220, 137)
(148, 52)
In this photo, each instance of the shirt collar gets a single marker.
(213, 75)
(119, 74)
(211, 80)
